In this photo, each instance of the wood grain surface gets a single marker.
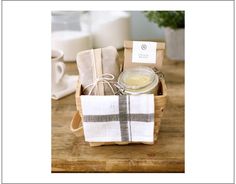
(72, 154)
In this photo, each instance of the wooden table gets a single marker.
(72, 154)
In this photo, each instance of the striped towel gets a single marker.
(118, 118)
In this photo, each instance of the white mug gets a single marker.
(57, 55)
(58, 71)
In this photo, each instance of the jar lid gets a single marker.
(137, 78)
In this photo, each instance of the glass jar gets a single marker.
(138, 80)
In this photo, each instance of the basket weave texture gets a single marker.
(160, 104)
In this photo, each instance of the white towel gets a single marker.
(118, 118)
(69, 86)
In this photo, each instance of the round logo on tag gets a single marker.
(143, 46)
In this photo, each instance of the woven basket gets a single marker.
(160, 104)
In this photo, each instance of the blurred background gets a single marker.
(74, 31)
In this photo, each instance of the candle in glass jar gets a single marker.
(139, 80)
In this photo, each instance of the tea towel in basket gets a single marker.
(118, 118)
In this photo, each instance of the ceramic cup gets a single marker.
(57, 55)
(58, 70)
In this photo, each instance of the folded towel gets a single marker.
(93, 64)
(68, 86)
(118, 118)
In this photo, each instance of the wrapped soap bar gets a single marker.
(98, 70)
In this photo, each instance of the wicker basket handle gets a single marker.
(76, 126)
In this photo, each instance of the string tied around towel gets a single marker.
(106, 78)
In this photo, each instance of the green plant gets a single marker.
(172, 19)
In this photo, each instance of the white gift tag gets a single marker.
(144, 52)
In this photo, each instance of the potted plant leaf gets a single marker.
(174, 23)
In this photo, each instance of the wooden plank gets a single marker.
(72, 154)
(165, 156)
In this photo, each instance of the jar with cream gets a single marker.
(138, 80)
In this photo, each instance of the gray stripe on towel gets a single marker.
(115, 117)
(123, 117)
(130, 130)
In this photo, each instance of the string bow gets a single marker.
(104, 78)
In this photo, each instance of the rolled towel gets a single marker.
(93, 65)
